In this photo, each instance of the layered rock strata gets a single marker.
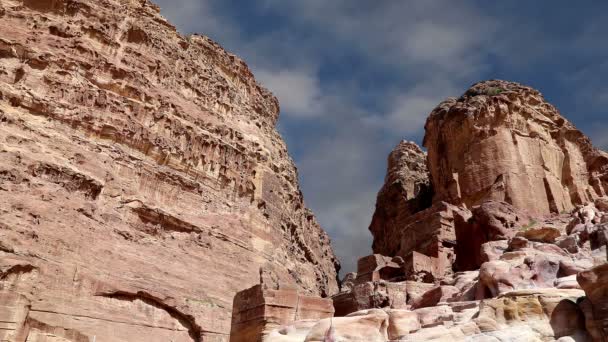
(595, 284)
(406, 191)
(503, 141)
(258, 311)
(142, 181)
(531, 315)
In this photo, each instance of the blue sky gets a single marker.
(354, 77)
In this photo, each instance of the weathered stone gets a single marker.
(257, 312)
(599, 237)
(378, 267)
(371, 295)
(510, 145)
(425, 242)
(402, 323)
(368, 325)
(348, 283)
(493, 250)
(406, 191)
(490, 221)
(568, 282)
(142, 176)
(541, 234)
(595, 284)
(439, 294)
(602, 204)
(518, 243)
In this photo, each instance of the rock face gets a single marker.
(406, 191)
(595, 284)
(142, 181)
(533, 315)
(258, 311)
(503, 141)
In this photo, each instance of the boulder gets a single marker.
(546, 234)
(368, 325)
(439, 294)
(402, 323)
(595, 284)
(371, 295)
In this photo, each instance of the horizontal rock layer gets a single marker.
(503, 141)
(142, 181)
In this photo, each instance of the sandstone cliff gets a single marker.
(503, 141)
(142, 181)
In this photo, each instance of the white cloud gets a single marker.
(408, 111)
(299, 92)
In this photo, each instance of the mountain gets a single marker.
(142, 183)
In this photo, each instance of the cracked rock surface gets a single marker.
(142, 183)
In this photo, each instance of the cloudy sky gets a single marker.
(354, 77)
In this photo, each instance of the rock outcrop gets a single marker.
(406, 191)
(503, 141)
(595, 284)
(533, 315)
(142, 181)
(257, 312)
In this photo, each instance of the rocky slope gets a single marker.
(511, 247)
(142, 181)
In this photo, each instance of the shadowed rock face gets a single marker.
(595, 284)
(142, 181)
(503, 141)
(406, 191)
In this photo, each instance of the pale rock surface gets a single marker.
(142, 183)
(259, 311)
(367, 325)
(530, 315)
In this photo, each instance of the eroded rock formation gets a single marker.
(503, 141)
(406, 191)
(516, 223)
(142, 181)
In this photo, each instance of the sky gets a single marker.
(354, 77)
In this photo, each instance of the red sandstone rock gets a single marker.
(377, 284)
(595, 284)
(257, 312)
(503, 141)
(371, 295)
(425, 241)
(406, 191)
(143, 182)
(490, 221)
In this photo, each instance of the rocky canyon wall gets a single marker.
(142, 181)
